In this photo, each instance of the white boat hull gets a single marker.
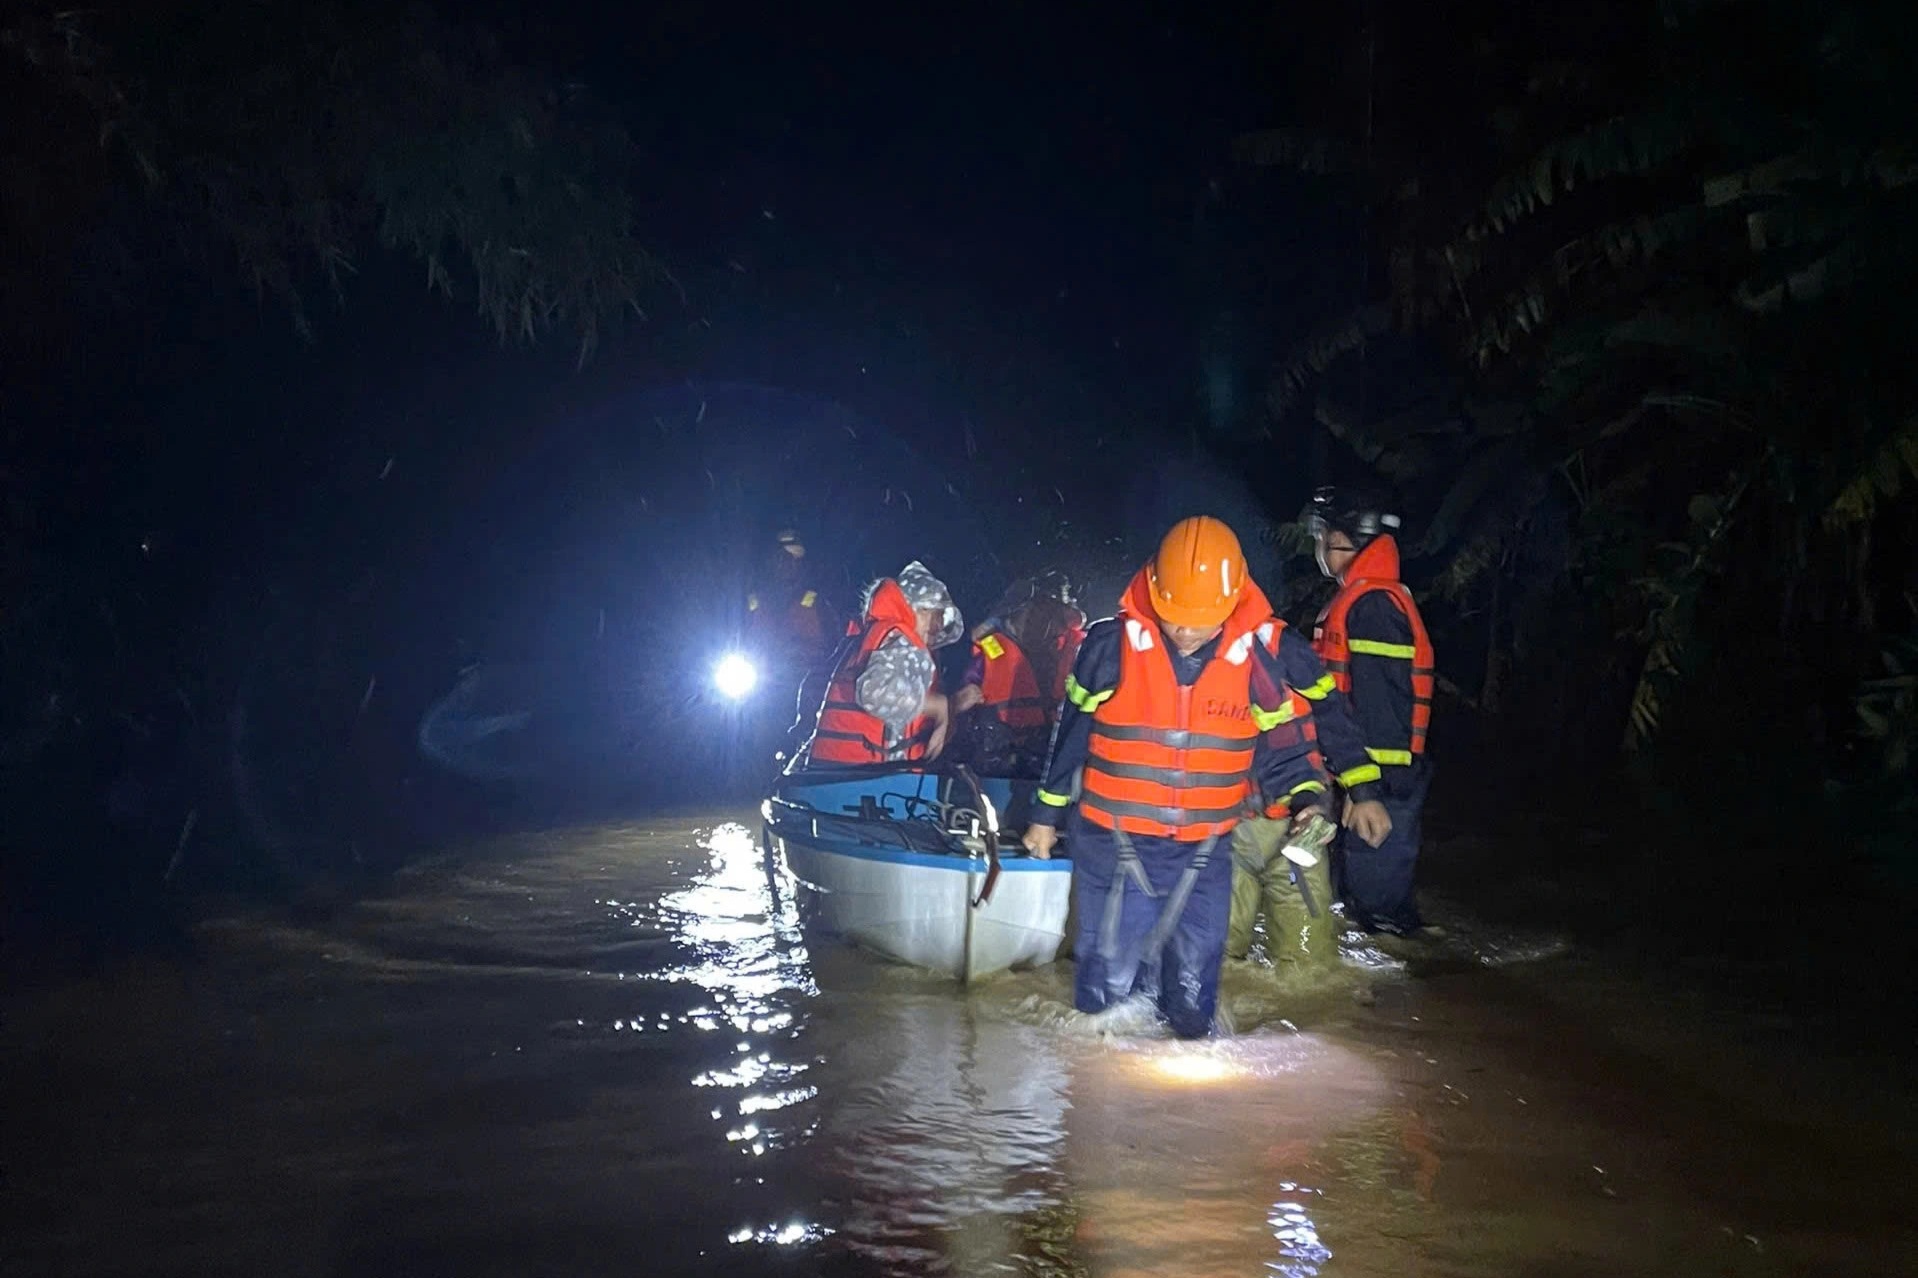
(917, 907)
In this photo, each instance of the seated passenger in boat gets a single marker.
(1015, 682)
(883, 704)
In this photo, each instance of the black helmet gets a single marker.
(1054, 584)
(1360, 515)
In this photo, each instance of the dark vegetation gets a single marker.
(1661, 474)
(1632, 344)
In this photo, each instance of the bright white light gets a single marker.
(1192, 1068)
(735, 677)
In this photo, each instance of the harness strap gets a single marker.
(1176, 899)
(1130, 867)
(1305, 889)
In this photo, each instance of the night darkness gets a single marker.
(397, 410)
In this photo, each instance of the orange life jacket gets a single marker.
(847, 733)
(1010, 688)
(1376, 568)
(1170, 761)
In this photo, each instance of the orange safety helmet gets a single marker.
(1198, 574)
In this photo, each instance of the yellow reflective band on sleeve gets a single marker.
(1360, 775)
(808, 599)
(1320, 690)
(991, 646)
(1402, 758)
(1306, 787)
(1373, 648)
(1086, 701)
(1266, 720)
(1052, 800)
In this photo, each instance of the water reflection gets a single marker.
(1302, 1254)
(952, 1131)
(1177, 1151)
(787, 1235)
(970, 1132)
(949, 1143)
(743, 946)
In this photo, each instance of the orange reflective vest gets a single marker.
(1376, 568)
(1010, 689)
(1168, 761)
(847, 733)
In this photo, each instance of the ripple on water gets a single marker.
(865, 1111)
(397, 1107)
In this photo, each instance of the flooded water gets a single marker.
(613, 1051)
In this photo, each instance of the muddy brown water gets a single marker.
(612, 1050)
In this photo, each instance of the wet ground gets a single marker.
(610, 1050)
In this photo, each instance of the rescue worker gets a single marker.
(1374, 643)
(1016, 679)
(883, 704)
(1163, 737)
(786, 616)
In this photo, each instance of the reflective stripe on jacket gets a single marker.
(1375, 570)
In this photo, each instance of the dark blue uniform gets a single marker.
(1376, 883)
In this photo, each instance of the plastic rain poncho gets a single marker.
(923, 590)
(900, 673)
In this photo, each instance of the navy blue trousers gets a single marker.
(1183, 975)
(1376, 883)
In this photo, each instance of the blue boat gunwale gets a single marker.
(927, 860)
(824, 778)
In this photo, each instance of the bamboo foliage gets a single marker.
(1887, 708)
(1720, 273)
(1621, 147)
(299, 137)
(1319, 354)
(1885, 476)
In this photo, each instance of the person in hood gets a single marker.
(883, 704)
(1164, 743)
